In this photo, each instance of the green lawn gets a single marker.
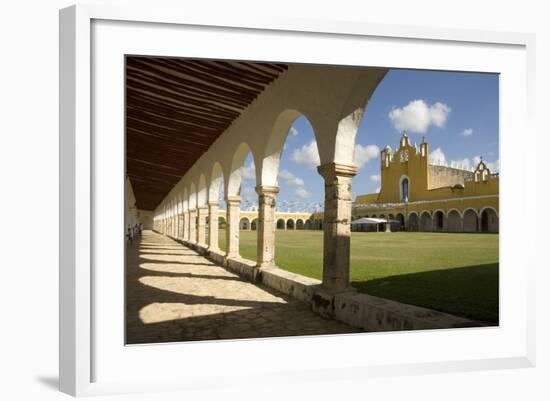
(454, 273)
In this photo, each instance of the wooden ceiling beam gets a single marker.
(176, 108)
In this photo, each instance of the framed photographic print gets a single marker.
(271, 197)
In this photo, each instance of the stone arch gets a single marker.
(222, 222)
(271, 157)
(290, 224)
(202, 192)
(235, 176)
(401, 225)
(281, 224)
(489, 220)
(192, 197)
(216, 178)
(350, 116)
(185, 201)
(254, 224)
(307, 224)
(425, 221)
(413, 223)
(438, 223)
(454, 221)
(470, 221)
(299, 224)
(244, 223)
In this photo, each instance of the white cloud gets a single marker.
(290, 178)
(302, 193)
(307, 155)
(439, 113)
(365, 153)
(293, 131)
(464, 164)
(248, 194)
(249, 172)
(467, 132)
(494, 166)
(377, 190)
(417, 116)
(437, 157)
(375, 178)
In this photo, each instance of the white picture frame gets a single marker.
(82, 321)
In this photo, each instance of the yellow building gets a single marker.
(248, 220)
(419, 196)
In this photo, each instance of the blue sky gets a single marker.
(457, 113)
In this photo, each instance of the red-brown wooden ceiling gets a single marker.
(176, 109)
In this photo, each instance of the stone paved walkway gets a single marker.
(174, 294)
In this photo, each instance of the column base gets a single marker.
(265, 265)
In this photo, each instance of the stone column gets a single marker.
(201, 225)
(213, 225)
(232, 232)
(336, 225)
(266, 225)
(193, 226)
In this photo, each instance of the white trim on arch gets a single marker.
(488, 207)
(454, 210)
(412, 212)
(472, 209)
(430, 213)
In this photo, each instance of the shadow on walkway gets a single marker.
(189, 298)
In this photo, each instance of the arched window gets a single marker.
(404, 189)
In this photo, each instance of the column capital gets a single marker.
(232, 199)
(266, 189)
(213, 203)
(337, 169)
(202, 208)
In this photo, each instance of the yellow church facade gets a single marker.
(417, 195)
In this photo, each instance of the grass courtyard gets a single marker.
(454, 273)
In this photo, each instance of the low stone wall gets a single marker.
(294, 285)
(363, 311)
(379, 314)
(244, 268)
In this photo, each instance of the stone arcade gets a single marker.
(184, 196)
